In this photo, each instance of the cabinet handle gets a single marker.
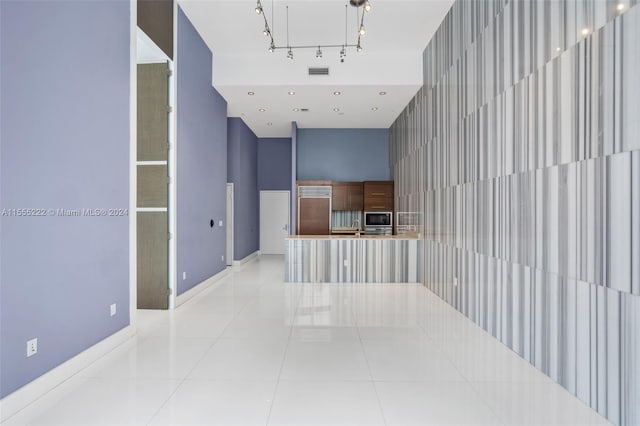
(378, 193)
(377, 207)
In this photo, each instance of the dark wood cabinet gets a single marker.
(378, 196)
(314, 216)
(347, 196)
(315, 204)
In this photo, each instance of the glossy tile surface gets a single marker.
(254, 350)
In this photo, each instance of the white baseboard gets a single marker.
(30, 392)
(247, 259)
(199, 288)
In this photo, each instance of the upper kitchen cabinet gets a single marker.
(347, 196)
(378, 196)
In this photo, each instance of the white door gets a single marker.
(274, 221)
(229, 224)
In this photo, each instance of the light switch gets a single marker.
(220, 222)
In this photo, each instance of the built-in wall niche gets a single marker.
(152, 166)
(155, 165)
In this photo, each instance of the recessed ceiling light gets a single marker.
(336, 109)
(585, 31)
(382, 93)
(558, 49)
(251, 93)
(374, 109)
(291, 92)
(620, 7)
(337, 93)
(261, 109)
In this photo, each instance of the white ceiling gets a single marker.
(391, 62)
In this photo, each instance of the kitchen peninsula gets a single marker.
(356, 259)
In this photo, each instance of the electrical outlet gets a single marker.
(345, 262)
(220, 223)
(32, 347)
(222, 257)
(112, 309)
(184, 276)
(455, 281)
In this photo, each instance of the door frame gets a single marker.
(230, 224)
(283, 191)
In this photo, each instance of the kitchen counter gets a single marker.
(348, 258)
(351, 237)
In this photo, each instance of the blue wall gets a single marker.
(343, 154)
(274, 164)
(243, 172)
(202, 161)
(64, 144)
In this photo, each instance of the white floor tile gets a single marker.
(242, 360)
(201, 402)
(351, 354)
(404, 360)
(536, 404)
(87, 401)
(391, 333)
(326, 305)
(433, 403)
(154, 357)
(486, 359)
(332, 360)
(255, 326)
(324, 334)
(326, 404)
(191, 325)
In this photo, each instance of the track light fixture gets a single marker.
(268, 31)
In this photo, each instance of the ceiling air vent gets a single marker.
(304, 109)
(318, 71)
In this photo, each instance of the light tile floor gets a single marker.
(254, 350)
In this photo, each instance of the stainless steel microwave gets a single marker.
(378, 219)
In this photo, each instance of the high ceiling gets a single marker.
(397, 32)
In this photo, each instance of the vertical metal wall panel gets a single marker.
(520, 154)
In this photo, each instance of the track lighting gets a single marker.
(366, 7)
